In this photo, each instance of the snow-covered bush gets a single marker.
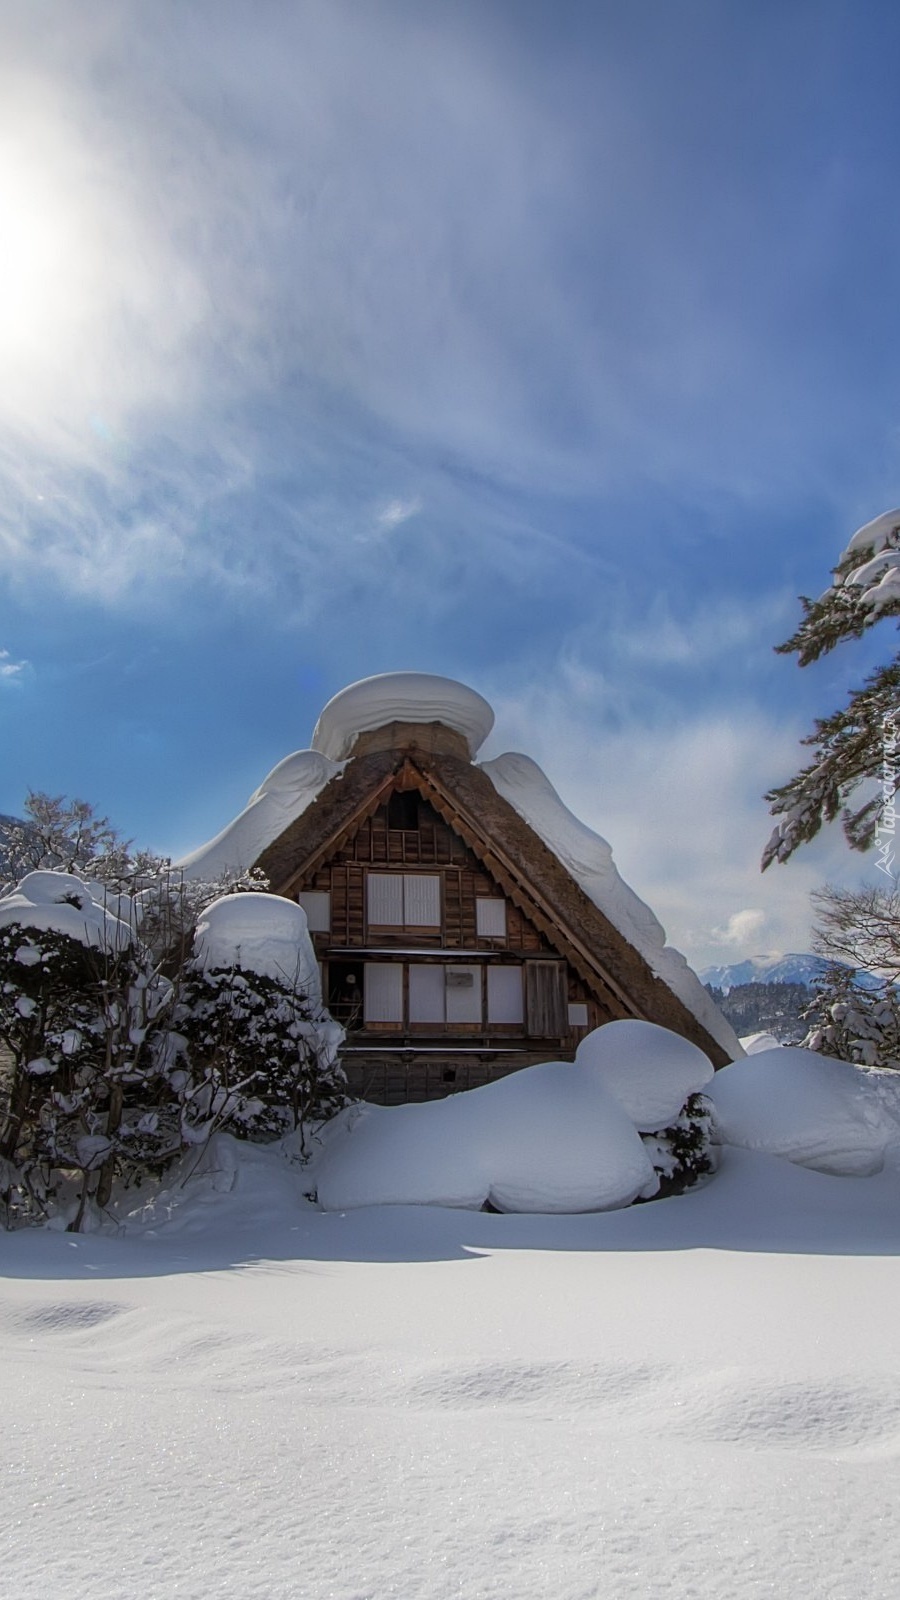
(656, 1075)
(122, 1051)
(684, 1152)
(255, 1049)
(79, 1010)
(805, 1107)
(623, 1122)
(855, 1021)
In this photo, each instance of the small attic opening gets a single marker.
(403, 809)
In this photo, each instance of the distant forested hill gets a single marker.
(765, 1008)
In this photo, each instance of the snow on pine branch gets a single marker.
(857, 744)
(865, 588)
(849, 752)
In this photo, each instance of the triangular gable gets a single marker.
(509, 851)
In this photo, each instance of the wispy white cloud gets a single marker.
(709, 627)
(743, 928)
(371, 225)
(397, 511)
(11, 671)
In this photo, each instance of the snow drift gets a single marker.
(557, 1137)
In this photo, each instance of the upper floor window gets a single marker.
(490, 918)
(404, 899)
(317, 905)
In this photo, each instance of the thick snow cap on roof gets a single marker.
(401, 697)
(589, 860)
(281, 798)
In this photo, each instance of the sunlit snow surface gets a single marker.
(693, 1399)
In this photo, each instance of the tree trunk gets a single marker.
(107, 1171)
(18, 1108)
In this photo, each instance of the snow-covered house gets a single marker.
(466, 923)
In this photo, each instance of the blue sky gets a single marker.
(551, 347)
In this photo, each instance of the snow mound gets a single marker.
(401, 697)
(648, 1070)
(546, 1139)
(281, 798)
(806, 1107)
(753, 1044)
(61, 903)
(588, 858)
(259, 933)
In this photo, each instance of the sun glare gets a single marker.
(34, 243)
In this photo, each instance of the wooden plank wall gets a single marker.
(433, 844)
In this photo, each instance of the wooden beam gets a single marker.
(329, 846)
(522, 893)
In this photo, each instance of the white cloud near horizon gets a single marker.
(743, 928)
(680, 802)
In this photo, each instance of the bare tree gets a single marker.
(856, 1011)
(63, 835)
(859, 927)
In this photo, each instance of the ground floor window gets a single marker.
(441, 994)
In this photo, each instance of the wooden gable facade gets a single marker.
(454, 946)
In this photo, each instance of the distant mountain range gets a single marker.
(774, 968)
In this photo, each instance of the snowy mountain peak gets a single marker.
(771, 968)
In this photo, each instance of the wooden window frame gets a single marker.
(405, 926)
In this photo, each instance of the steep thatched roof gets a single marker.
(439, 767)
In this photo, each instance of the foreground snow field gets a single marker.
(245, 1398)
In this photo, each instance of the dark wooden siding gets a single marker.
(398, 1068)
(432, 845)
